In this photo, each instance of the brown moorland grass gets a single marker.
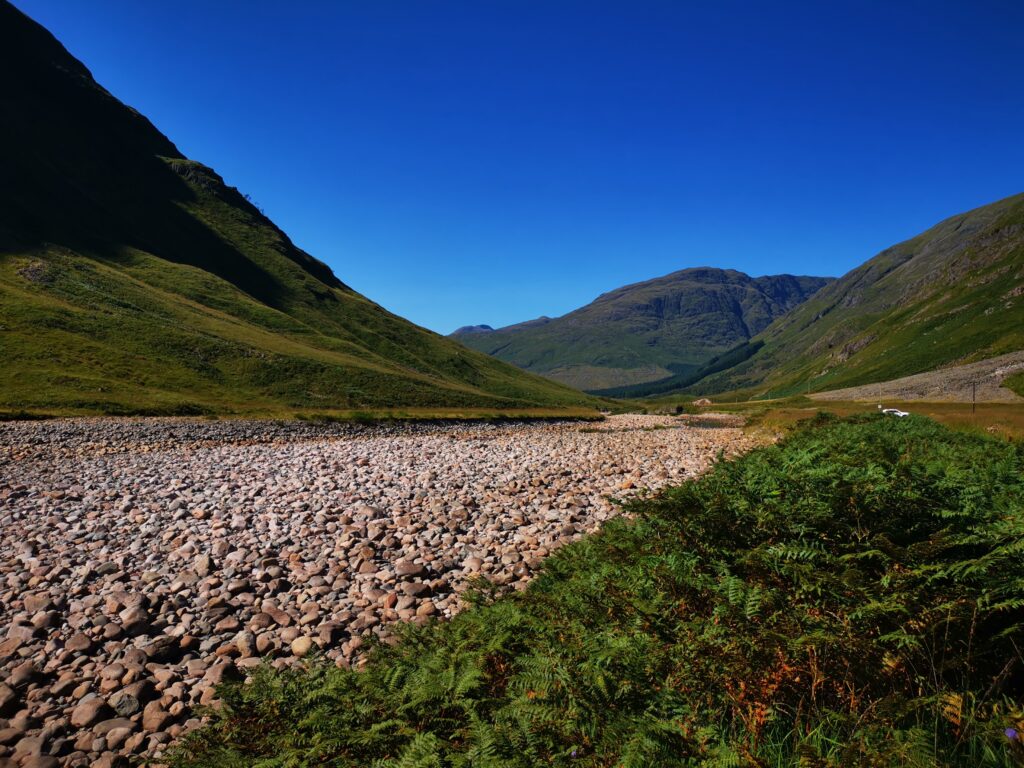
(1001, 419)
(360, 415)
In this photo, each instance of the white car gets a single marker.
(895, 412)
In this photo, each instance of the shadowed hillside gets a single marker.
(133, 279)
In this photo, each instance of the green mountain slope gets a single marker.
(135, 280)
(646, 331)
(951, 295)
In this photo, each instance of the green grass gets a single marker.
(144, 335)
(851, 596)
(95, 339)
(721, 362)
(1015, 383)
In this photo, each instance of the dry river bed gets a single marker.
(141, 561)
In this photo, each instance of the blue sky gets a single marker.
(489, 162)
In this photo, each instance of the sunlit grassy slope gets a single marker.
(953, 294)
(134, 280)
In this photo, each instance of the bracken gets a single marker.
(850, 596)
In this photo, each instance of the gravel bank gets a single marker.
(957, 384)
(142, 561)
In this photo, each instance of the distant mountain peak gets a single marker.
(650, 330)
(467, 329)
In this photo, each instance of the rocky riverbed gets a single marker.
(142, 561)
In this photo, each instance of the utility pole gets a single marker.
(974, 396)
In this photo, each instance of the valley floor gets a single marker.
(142, 561)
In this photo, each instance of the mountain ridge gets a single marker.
(648, 330)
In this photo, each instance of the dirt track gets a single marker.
(945, 385)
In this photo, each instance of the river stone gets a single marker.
(89, 712)
(138, 544)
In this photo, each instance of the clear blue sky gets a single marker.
(489, 162)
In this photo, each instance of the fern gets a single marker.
(851, 596)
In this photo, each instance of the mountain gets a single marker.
(135, 280)
(951, 295)
(466, 329)
(648, 331)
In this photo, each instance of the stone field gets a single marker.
(142, 561)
